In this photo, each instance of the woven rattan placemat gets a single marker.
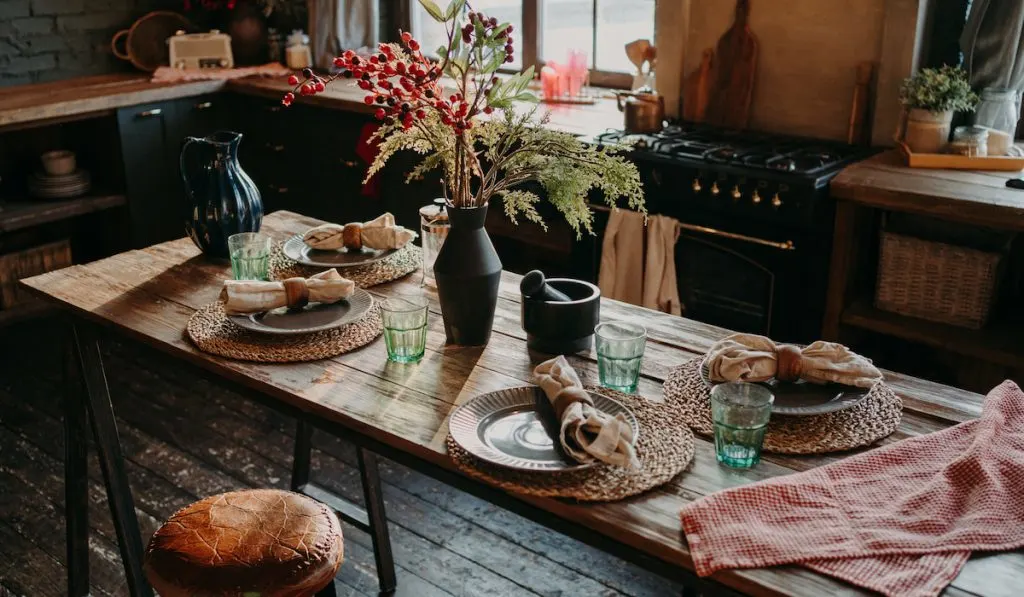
(400, 264)
(665, 447)
(875, 417)
(211, 331)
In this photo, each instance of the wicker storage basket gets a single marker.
(935, 280)
(27, 263)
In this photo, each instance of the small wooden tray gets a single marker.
(961, 162)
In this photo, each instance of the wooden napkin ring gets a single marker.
(789, 362)
(296, 293)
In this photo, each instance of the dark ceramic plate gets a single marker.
(299, 251)
(315, 317)
(803, 399)
(515, 428)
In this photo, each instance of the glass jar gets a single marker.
(999, 109)
(434, 227)
(971, 141)
(297, 53)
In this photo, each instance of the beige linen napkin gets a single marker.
(587, 434)
(749, 357)
(251, 296)
(382, 233)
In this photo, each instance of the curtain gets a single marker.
(338, 25)
(993, 44)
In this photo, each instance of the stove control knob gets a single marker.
(776, 201)
(714, 188)
(736, 194)
(696, 185)
(755, 198)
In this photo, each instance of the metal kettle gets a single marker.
(644, 111)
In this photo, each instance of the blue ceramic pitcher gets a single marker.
(222, 198)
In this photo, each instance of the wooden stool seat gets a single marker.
(262, 541)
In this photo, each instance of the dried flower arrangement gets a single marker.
(485, 147)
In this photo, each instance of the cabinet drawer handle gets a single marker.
(277, 189)
(204, 105)
(150, 113)
(349, 163)
(272, 108)
(277, 148)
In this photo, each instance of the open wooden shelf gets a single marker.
(999, 342)
(15, 215)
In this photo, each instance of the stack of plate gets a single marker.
(65, 186)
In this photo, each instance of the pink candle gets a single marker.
(550, 82)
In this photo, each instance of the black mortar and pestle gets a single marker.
(559, 314)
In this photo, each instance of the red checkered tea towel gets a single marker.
(901, 519)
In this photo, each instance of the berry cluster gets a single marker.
(404, 85)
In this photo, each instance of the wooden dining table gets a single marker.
(401, 412)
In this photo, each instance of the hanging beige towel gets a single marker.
(661, 290)
(621, 275)
(587, 434)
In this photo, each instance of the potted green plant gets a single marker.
(486, 144)
(931, 96)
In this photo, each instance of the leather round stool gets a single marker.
(261, 541)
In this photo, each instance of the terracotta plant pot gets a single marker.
(927, 131)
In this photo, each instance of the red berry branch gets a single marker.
(406, 86)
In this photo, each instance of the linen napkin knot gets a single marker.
(586, 434)
(749, 357)
(380, 233)
(252, 296)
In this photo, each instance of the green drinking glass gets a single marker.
(620, 349)
(405, 327)
(250, 256)
(740, 411)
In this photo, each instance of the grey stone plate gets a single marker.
(802, 399)
(314, 317)
(299, 251)
(516, 429)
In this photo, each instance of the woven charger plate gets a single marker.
(665, 448)
(398, 265)
(875, 417)
(211, 331)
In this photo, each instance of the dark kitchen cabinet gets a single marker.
(149, 153)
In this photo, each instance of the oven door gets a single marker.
(736, 281)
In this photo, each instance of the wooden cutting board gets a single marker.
(695, 89)
(732, 86)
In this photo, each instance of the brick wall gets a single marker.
(46, 40)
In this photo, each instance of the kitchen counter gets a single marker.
(24, 105)
(83, 96)
(966, 196)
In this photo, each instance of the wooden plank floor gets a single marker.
(186, 438)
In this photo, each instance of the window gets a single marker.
(549, 29)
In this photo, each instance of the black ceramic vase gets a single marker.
(222, 199)
(467, 272)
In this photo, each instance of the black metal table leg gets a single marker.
(374, 497)
(301, 455)
(108, 445)
(76, 478)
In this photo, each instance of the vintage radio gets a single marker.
(201, 50)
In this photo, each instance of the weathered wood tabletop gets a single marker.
(150, 294)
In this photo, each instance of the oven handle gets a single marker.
(784, 246)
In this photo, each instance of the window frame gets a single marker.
(528, 41)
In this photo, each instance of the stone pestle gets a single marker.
(535, 287)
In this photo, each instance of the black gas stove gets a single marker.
(793, 158)
(756, 221)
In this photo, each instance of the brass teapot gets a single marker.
(644, 110)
